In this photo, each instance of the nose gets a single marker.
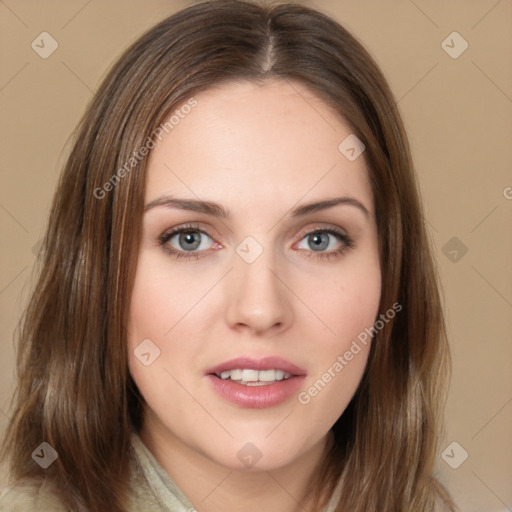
(259, 301)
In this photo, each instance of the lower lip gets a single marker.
(257, 397)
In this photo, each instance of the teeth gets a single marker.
(267, 375)
(250, 375)
(235, 374)
(254, 377)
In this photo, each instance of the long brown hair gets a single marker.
(74, 389)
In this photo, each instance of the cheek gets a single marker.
(349, 312)
(348, 306)
(153, 312)
(358, 305)
(161, 300)
(347, 303)
(167, 319)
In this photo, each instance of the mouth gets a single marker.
(248, 377)
(256, 383)
(247, 369)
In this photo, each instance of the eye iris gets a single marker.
(190, 237)
(318, 241)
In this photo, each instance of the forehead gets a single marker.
(257, 143)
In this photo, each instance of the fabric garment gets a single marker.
(152, 490)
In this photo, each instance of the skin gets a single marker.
(259, 151)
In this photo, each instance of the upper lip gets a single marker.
(253, 363)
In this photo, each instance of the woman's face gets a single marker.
(256, 273)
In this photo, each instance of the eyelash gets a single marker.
(347, 243)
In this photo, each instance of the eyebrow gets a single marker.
(216, 210)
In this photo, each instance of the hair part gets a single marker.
(74, 389)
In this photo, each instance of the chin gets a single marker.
(249, 456)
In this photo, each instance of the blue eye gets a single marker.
(190, 242)
(326, 243)
(186, 242)
(319, 240)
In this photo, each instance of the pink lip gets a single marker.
(257, 397)
(251, 363)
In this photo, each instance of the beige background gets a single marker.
(458, 113)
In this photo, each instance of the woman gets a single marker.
(237, 306)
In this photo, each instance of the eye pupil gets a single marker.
(319, 241)
(192, 238)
